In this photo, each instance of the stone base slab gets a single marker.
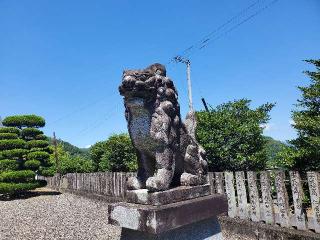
(208, 229)
(160, 219)
(173, 195)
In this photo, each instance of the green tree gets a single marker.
(96, 152)
(114, 154)
(232, 136)
(119, 155)
(22, 153)
(304, 152)
(69, 163)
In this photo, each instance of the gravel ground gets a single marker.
(63, 216)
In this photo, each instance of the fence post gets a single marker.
(210, 178)
(266, 197)
(242, 195)
(314, 187)
(282, 199)
(297, 195)
(231, 196)
(219, 182)
(254, 196)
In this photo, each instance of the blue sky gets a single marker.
(63, 60)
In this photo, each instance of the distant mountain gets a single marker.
(273, 147)
(73, 150)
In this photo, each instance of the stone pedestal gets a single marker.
(164, 215)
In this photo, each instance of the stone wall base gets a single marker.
(237, 229)
(208, 229)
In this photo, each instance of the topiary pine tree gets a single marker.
(24, 151)
(305, 149)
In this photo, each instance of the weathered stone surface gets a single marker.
(142, 196)
(168, 152)
(208, 229)
(159, 219)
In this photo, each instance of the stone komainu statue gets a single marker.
(168, 153)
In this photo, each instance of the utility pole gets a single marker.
(205, 104)
(187, 62)
(56, 153)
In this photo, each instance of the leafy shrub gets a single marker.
(9, 188)
(13, 153)
(8, 136)
(17, 176)
(24, 121)
(8, 165)
(11, 144)
(37, 144)
(41, 156)
(30, 132)
(32, 164)
(10, 130)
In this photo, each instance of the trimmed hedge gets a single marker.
(9, 188)
(8, 136)
(24, 121)
(37, 144)
(41, 156)
(8, 165)
(46, 149)
(10, 130)
(30, 132)
(13, 153)
(11, 144)
(41, 137)
(32, 164)
(17, 176)
(47, 172)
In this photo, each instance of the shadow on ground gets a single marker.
(29, 194)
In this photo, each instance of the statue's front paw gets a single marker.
(154, 184)
(134, 183)
(188, 179)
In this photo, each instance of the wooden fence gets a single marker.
(273, 197)
(108, 184)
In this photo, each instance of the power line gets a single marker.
(230, 25)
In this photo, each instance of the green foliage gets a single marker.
(37, 144)
(119, 154)
(8, 165)
(96, 151)
(32, 133)
(23, 121)
(11, 188)
(304, 151)
(13, 153)
(41, 137)
(41, 156)
(10, 130)
(8, 136)
(231, 134)
(17, 176)
(25, 152)
(32, 164)
(68, 163)
(11, 144)
(273, 148)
